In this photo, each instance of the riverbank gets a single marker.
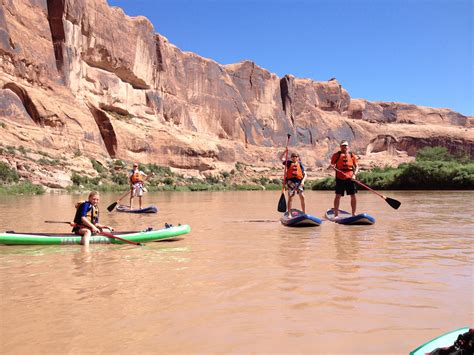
(433, 169)
(114, 179)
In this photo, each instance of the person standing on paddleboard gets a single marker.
(136, 178)
(295, 178)
(86, 219)
(346, 162)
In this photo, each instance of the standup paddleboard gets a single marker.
(345, 217)
(297, 218)
(126, 209)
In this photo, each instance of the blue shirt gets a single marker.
(82, 211)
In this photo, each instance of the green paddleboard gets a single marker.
(12, 238)
(443, 341)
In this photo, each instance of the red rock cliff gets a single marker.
(82, 76)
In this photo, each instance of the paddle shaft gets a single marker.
(123, 196)
(72, 224)
(118, 238)
(286, 164)
(360, 183)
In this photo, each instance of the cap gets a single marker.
(344, 143)
(135, 164)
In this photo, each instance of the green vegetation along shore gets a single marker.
(113, 178)
(10, 184)
(433, 169)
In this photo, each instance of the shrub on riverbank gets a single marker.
(22, 188)
(434, 169)
(160, 178)
(7, 174)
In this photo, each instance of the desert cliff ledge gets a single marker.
(81, 76)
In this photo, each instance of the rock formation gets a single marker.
(79, 78)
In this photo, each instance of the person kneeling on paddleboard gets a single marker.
(86, 220)
(346, 163)
(136, 178)
(294, 179)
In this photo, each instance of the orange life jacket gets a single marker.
(294, 171)
(345, 164)
(136, 177)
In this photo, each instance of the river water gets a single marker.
(241, 282)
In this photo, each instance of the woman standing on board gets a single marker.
(136, 178)
(295, 178)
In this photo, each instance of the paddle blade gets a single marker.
(393, 203)
(111, 207)
(282, 203)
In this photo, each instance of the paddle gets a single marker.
(111, 207)
(282, 201)
(105, 234)
(392, 202)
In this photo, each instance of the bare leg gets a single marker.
(85, 236)
(353, 204)
(140, 201)
(337, 201)
(131, 199)
(289, 203)
(303, 207)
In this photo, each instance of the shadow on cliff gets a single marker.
(106, 130)
(27, 102)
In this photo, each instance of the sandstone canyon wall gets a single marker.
(81, 76)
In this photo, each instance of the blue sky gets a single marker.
(412, 51)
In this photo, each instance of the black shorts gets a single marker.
(349, 186)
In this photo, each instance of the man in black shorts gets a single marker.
(346, 162)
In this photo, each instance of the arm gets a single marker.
(332, 164)
(304, 178)
(282, 156)
(85, 222)
(356, 168)
(303, 170)
(102, 226)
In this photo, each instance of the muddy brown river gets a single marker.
(241, 282)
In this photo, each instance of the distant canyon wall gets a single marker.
(83, 76)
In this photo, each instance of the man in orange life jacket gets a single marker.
(346, 162)
(295, 178)
(136, 178)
